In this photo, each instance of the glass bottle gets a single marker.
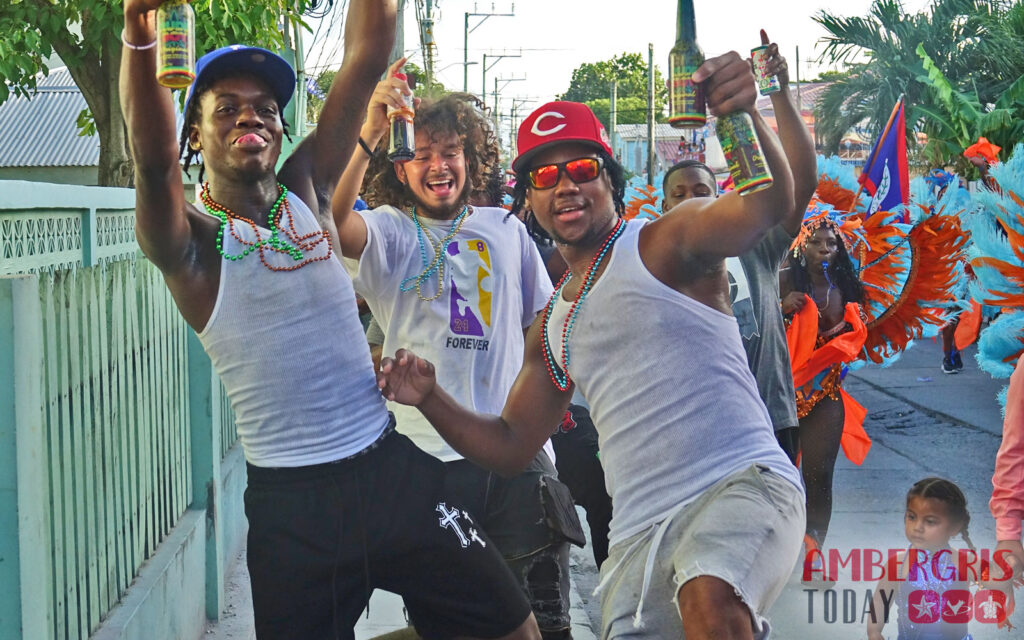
(402, 141)
(686, 97)
(175, 44)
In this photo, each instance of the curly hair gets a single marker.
(949, 494)
(460, 114)
(841, 271)
(193, 114)
(616, 174)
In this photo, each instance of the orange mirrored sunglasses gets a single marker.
(579, 171)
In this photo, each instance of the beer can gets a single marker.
(742, 149)
(766, 84)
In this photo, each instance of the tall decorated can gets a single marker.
(686, 97)
(175, 44)
(766, 84)
(750, 172)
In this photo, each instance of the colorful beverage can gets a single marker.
(766, 84)
(686, 97)
(750, 172)
(175, 42)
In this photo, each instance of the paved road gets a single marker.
(922, 423)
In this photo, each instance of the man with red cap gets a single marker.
(338, 504)
(708, 511)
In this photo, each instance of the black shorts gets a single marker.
(518, 516)
(323, 537)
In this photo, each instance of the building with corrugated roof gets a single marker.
(40, 140)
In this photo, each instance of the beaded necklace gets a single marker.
(300, 246)
(437, 263)
(560, 376)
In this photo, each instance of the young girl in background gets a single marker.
(936, 511)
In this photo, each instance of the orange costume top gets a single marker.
(818, 370)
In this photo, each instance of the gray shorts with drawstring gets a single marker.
(746, 530)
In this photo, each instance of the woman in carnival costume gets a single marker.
(821, 297)
(859, 289)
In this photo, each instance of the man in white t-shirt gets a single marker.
(461, 283)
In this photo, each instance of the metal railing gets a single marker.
(100, 392)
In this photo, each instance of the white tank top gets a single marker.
(290, 350)
(675, 405)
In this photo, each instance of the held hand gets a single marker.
(134, 8)
(777, 65)
(390, 92)
(728, 84)
(406, 378)
(793, 302)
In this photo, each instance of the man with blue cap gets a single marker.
(338, 503)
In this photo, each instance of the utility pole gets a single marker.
(497, 58)
(650, 114)
(465, 38)
(613, 114)
(425, 19)
(497, 121)
(398, 50)
(799, 107)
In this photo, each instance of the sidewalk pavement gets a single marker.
(386, 613)
(967, 398)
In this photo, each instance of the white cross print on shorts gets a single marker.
(450, 519)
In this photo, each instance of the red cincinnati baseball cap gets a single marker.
(559, 122)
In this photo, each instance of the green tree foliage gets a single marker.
(592, 84)
(973, 43)
(315, 102)
(959, 118)
(86, 36)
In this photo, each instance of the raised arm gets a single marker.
(314, 168)
(796, 140)
(712, 229)
(351, 228)
(161, 221)
(505, 444)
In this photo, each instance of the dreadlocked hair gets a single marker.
(949, 494)
(840, 271)
(460, 114)
(616, 174)
(193, 116)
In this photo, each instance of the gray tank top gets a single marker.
(290, 350)
(675, 405)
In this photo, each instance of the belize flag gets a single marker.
(886, 176)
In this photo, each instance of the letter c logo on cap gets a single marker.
(547, 132)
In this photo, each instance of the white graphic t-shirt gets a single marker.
(494, 284)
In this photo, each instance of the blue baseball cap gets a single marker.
(237, 58)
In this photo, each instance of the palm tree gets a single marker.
(974, 43)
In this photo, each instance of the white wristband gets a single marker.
(135, 47)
